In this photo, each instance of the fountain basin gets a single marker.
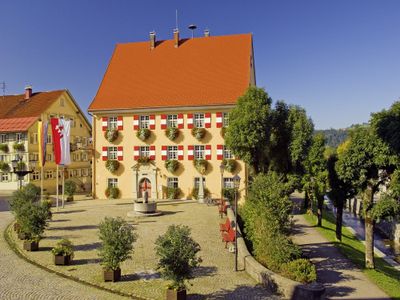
(144, 209)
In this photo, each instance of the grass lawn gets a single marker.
(384, 275)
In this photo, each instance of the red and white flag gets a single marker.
(61, 138)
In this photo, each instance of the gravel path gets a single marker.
(20, 280)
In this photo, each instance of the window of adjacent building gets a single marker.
(144, 151)
(3, 138)
(35, 175)
(228, 182)
(112, 182)
(4, 158)
(4, 177)
(225, 119)
(198, 151)
(172, 152)
(19, 137)
(34, 156)
(172, 182)
(112, 152)
(62, 102)
(73, 122)
(144, 122)
(198, 120)
(34, 138)
(227, 153)
(84, 172)
(84, 141)
(197, 182)
(112, 123)
(49, 174)
(84, 157)
(75, 173)
(49, 139)
(172, 121)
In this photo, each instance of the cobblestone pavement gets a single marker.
(214, 279)
(20, 280)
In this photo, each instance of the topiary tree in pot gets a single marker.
(112, 192)
(143, 134)
(172, 133)
(177, 252)
(201, 165)
(199, 133)
(63, 252)
(4, 167)
(70, 189)
(111, 135)
(112, 165)
(171, 165)
(116, 237)
(173, 192)
(230, 165)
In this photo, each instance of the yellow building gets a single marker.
(19, 116)
(151, 87)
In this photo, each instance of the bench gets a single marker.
(225, 226)
(229, 237)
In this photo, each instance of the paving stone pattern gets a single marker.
(215, 279)
(20, 280)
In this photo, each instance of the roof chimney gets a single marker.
(152, 40)
(206, 33)
(176, 37)
(28, 92)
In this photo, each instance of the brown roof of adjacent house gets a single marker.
(18, 114)
(201, 71)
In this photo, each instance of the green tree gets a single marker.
(317, 173)
(249, 127)
(366, 163)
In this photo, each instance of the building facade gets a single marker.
(169, 103)
(19, 116)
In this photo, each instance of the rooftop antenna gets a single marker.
(192, 27)
(3, 87)
(176, 19)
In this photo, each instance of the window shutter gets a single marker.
(120, 153)
(164, 152)
(189, 121)
(207, 120)
(120, 125)
(104, 153)
(180, 121)
(136, 122)
(219, 119)
(152, 152)
(136, 153)
(104, 123)
(208, 152)
(180, 152)
(152, 122)
(220, 152)
(163, 121)
(190, 152)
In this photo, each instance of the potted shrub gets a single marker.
(112, 165)
(200, 165)
(230, 165)
(111, 135)
(177, 253)
(199, 133)
(70, 189)
(112, 192)
(171, 165)
(19, 147)
(195, 192)
(33, 221)
(143, 134)
(172, 133)
(63, 252)
(116, 237)
(4, 148)
(4, 167)
(173, 192)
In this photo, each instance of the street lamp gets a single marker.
(222, 169)
(236, 182)
(19, 168)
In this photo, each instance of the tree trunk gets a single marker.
(306, 200)
(320, 205)
(339, 219)
(369, 229)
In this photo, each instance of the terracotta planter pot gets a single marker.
(31, 246)
(176, 295)
(70, 198)
(112, 275)
(22, 236)
(62, 260)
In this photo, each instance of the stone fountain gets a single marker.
(143, 207)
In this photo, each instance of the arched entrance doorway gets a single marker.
(144, 185)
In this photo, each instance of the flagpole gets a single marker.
(57, 187)
(41, 183)
(63, 182)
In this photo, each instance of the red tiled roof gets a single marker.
(16, 124)
(201, 71)
(15, 106)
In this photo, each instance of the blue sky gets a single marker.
(340, 60)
